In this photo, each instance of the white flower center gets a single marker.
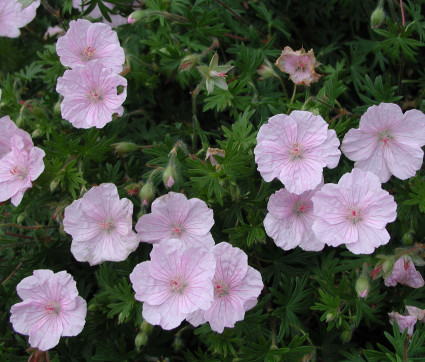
(178, 285)
(354, 215)
(107, 225)
(52, 307)
(296, 151)
(88, 53)
(221, 288)
(19, 172)
(176, 231)
(385, 137)
(299, 208)
(95, 95)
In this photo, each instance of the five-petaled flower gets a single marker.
(51, 308)
(13, 16)
(299, 65)
(387, 142)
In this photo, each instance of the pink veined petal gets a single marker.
(271, 158)
(337, 234)
(52, 327)
(416, 312)
(411, 131)
(36, 164)
(196, 318)
(329, 150)
(199, 219)
(380, 210)
(73, 321)
(249, 287)
(311, 129)
(287, 234)
(403, 322)
(310, 242)
(403, 161)
(9, 129)
(26, 286)
(358, 145)
(149, 289)
(378, 118)
(152, 228)
(225, 312)
(205, 241)
(26, 315)
(281, 129)
(369, 240)
(231, 263)
(376, 164)
(166, 315)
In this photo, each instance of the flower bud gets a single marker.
(188, 62)
(407, 238)
(177, 343)
(37, 132)
(346, 336)
(265, 72)
(169, 176)
(329, 317)
(141, 340)
(136, 16)
(145, 327)
(147, 193)
(20, 218)
(362, 286)
(377, 17)
(57, 108)
(124, 148)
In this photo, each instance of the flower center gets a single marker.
(177, 231)
(221, 288)
(385, 137)
(299, 208)
(95, 95)
(107, 225)
(88, 53)
(19, 172)
(301, 65)
(178, 285)
(52, 307)
(296, 151)
(354, 215)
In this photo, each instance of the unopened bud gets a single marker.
(37, 132)
(188, 62)
(147, 193)
(387, 267)
(54, 184)
(265, 72)
(177, 343)
(136, 16)
(20, 218)
(57, 108)
(169, 176)
(346, 336)
(146, 327)
(141, 340)
(362, 286)
(330, 317)
(377, 17)
(122, 149)
(407, 238)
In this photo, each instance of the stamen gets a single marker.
(354, 215)
(221, 288)
(88, 53)
(52, 307)
(178, 285)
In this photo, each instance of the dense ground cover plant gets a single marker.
(212, 180)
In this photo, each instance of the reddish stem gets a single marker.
(403, 20)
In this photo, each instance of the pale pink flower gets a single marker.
(416, 312)
(18, 168)
(236, 288)
(116, 19)
(173, 216)
(100, 224)
(290, 219)
(90, 95)
(8, 130)
(404, 272)
(387, 142)
(403, 322)
(354, 212)
(51, 308)
(175, 282)
(299, 65)
(13, 17)
(86, 42)
(295, 149)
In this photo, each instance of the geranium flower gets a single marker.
(116, 19)
(236, 289)
(90, 95)
(295, 149)
(290, 219)
(404, 272)
(100, 224)
(13, 17)
(387, 142)
(85, 42)
(299, 65)
(51, 308)
(18, 168)
(173, 216)
(175, 282)
(8, 130)
(354, 212)
(403, 322)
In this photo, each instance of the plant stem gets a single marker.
(403, 20)
(194, 118)
(293, 94)
(36, 227)
(12, 274)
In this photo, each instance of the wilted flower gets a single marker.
(387, 142)
(215, 75)
(100, 224)
(18, 168)
(13, 16)
(211, 152)
(295, 149)
(173, 216)
(8, 130)
(403, 322)
(354, 212)
(51, 308)
(236, 289)
(404, 272)
(416, 312)
(299, 65)
(290, 219)
(90, 95)
(175, 282)
(86, 42)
